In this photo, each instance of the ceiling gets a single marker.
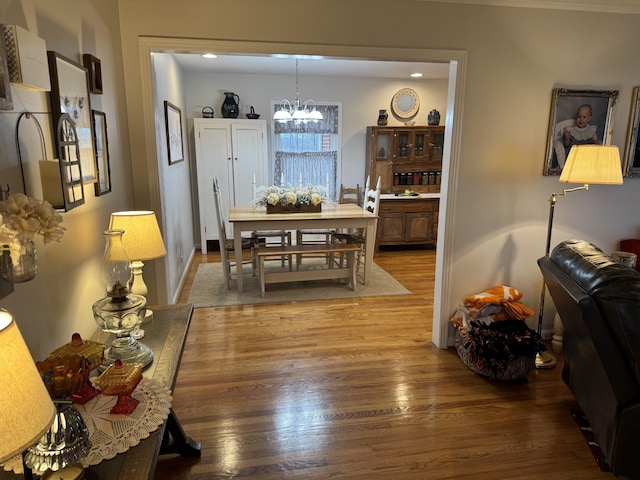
(315, 66)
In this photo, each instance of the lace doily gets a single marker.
(114, 434)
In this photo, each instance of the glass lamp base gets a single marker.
(121, 317)
(127, 350)
(65, 443)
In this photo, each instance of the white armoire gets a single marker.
(233, 150)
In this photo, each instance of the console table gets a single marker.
(166, 335)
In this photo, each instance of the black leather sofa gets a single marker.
(598, 301)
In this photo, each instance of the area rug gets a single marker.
(587, 433)
(209, 288)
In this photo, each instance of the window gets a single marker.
(308, 153)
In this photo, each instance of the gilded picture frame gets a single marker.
(577, 117)
(631, 159)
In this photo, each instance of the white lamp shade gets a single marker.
(142, 238)
(315, 115)
(26, 409)
(299, 115)
(282, 116)
(593, 164)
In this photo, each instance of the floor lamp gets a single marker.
(142, 241)
(586, 164)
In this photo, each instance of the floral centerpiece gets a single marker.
(21, 219)
(291, 200)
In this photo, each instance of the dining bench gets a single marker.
(330, 270)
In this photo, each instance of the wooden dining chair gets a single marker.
(372, 205)
(262, 236)
(226, 245)
(314, 236)
(350, 195)
(347, 195)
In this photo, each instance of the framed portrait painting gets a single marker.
(173, 119)
(631, 162)
(70, 95)
(578, 117)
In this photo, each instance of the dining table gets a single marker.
(332, 215)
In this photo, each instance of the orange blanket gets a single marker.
(501, 302)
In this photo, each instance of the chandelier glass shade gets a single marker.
(299, 111)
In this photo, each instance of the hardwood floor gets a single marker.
(354, 389)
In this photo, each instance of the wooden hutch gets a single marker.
(406, 159)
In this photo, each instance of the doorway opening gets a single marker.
(457, 67)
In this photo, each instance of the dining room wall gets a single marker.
(361, 98)
(177, 201)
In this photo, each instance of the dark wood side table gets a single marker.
(166, 335)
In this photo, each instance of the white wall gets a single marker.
(361, 99)
(58, 301)
(177, 216)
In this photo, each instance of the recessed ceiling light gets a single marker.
(416, 75)
(299, 57)
(209, 55)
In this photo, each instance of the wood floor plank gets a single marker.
(354, 389)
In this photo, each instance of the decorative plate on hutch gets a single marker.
(405, 103)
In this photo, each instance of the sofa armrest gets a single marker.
(587, 336)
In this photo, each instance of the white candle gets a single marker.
(282, 179)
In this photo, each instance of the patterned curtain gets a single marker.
(329, 124)
(309, 168)
(308, 160)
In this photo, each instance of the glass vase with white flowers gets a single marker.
(21, 219)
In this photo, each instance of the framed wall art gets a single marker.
(94, 70)
(5, 86)
(577, 117)
(631, 161)
(70, 95)
(173, 119)
(101, 145)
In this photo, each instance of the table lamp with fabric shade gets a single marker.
(26, 409)
(142, 241)
(586, 164)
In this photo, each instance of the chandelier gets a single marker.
(297, 111)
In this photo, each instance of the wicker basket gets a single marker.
(517, 369)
